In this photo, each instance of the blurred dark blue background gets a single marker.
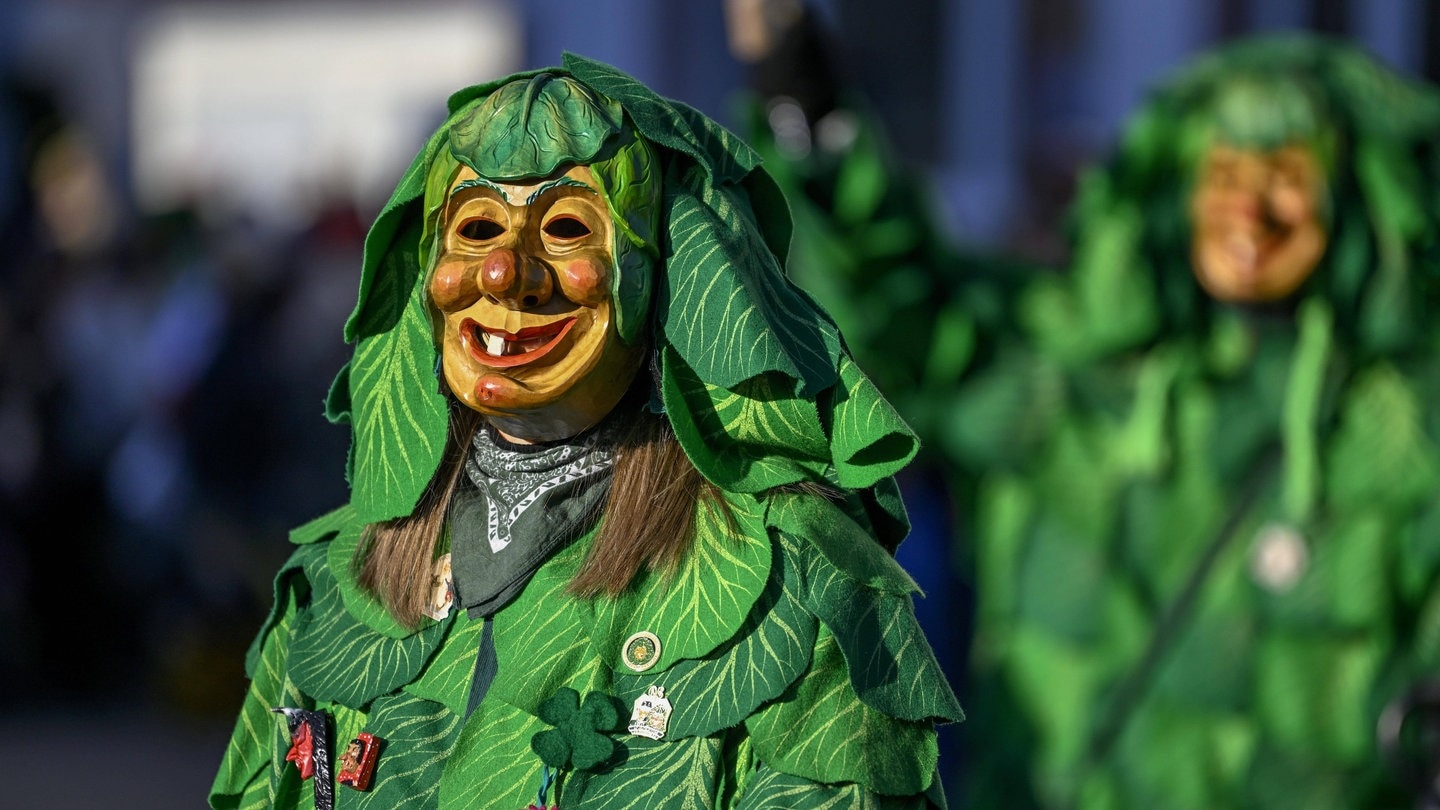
(183, 192)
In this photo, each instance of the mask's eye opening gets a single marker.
(565, 227)
(480, 229)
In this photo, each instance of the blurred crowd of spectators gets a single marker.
(162, 379)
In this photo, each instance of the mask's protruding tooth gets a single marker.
(494, 344)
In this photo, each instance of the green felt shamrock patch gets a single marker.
(581, 738)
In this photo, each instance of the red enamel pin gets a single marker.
(357, 764)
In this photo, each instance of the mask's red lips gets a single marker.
(500, 349)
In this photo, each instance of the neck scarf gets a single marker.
(520, 504)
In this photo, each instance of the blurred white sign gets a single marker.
(275, 109)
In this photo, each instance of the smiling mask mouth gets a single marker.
(500, 349)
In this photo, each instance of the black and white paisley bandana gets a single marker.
(520, 504)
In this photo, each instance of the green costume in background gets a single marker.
(1214, 559)
(785, 645)
(921, 315)
(918, 312)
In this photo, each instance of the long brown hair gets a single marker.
(647, 521)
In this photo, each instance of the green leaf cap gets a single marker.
(1372, 130)
(580, 739)
(530, 128)
(751, 368)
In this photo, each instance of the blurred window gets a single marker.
(275, 110)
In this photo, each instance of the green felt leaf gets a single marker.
(256, 797)
(771, 789)
(845, 544)
(492, 764)
(416, 738)
(884, 508)
(891, 666)
(772, 215)
(252, 742)
(759, 434)
(399, 418)
(726, 307)
(335, 657)
(870, 440)
(669, 123)
(552, 748)
(325, 527)
(290, 588)
(447, 678)
(1105, 304)
(441, 172)
(631, 183)
(590, 750)
(751, 438)
(280, 785)
(708, 599)
(377, 311)
(340, 554)
(771, 649)
(542, 640)
(678, 773)
(820, 730)
(345, 722)
(337, 399)
(1381, 453)
(499, 140)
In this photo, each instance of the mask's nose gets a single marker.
(515, 280)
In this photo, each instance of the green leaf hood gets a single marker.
(753, 374)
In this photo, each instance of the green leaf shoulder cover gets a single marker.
(789, 651)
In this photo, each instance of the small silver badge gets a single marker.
(651, 714)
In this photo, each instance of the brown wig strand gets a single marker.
(399, 554)
(649, 517)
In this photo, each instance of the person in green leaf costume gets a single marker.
(1214, 563)
(634, 548)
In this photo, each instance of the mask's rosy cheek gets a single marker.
(585, 281)
(453, 285)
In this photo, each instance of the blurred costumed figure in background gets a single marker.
(1214, 561)
(633, 548)
(920, 312)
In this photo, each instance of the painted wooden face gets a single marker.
(522, 281)
(1256, 222)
